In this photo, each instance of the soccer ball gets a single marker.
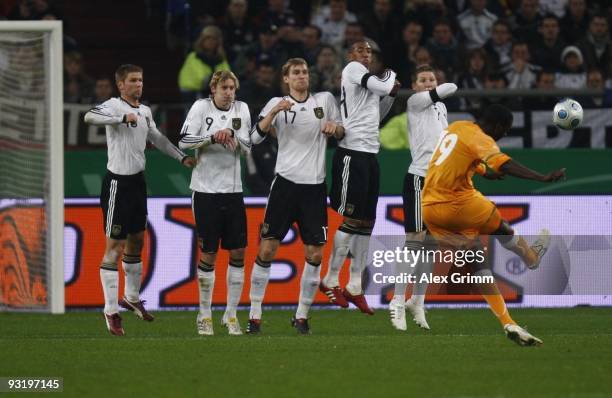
(567, 114)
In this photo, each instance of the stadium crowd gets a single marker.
(492, 44)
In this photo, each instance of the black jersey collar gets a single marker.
(221, 109)
(130, 104)
(300, 102)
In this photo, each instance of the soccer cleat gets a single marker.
(301, 325)
(205, 327)
(137, 308)
(520, 336)
(540, 247)
(418, 314)
(334, 294)
(232, 325)
(254, 326)
(359, 301)
(113, 323)
(397, 311)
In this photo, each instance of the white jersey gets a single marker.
(218, 168)
(362, 108)
(301, 143)
(427, 118)
(126, 143)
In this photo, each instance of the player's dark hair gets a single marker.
(496, 114)
(122, 71)
(421, 69)
(292, 62)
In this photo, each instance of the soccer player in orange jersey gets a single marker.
(456, 213)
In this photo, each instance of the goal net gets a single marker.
(31, 167)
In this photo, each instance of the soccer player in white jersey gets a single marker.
(426, 119)
(218, 128)
(129, 125)
(302, 122)
(366, 99)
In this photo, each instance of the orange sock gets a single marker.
(498, 306)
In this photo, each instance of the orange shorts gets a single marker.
(461, 222)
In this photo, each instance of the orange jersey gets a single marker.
(463, 149)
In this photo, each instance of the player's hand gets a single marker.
(189, 162)
(396, 86)
(131, 119)
(554, 175)
(329, 128)
(223, 137)
(232, 144)
(283, 105)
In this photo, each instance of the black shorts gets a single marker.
(219, 216)
(124, 204)
(355, 184)
(305, 204)
(412, 197)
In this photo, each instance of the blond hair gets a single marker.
(211, 31)
(221, 76)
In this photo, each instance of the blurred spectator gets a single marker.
(442, 46)
(422, 56)
(69, 43)
(103, 90)
(311, 43)
(572, 74)
(595, 81)
(268, 49)
(575, 22)
(276, 13)
(258, 90)
(40, 8)
(325, 74)
(22, 11)
(545, 81)
(394, 134)
(499, 46)
(476, 24)
(497, 81)
(78, 86)
(332, 20)
(554, 7)
(411, 40)
(519, 72)
(473, 76)
(549, 45)
(383, 26)
(426, 12)
(526, 21)
(238, 32)
(206, 58)
(597, 45)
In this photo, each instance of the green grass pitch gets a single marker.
(347, 355)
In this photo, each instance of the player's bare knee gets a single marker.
(236, 257)
(208, 258)
(314, 254)
(267, 249)
(135, 243)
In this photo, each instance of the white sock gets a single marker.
(339, 252)
(308, 289)
(420, 288)
(235, 281)
(110, 286)
(402, 269)
(133, 273)
(206, 283)
(259, 282)
(359, 251)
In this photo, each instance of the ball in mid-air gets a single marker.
(567, 114)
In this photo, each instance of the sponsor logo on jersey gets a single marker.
(236, 123)
(319, 112)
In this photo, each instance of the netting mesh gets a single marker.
(24, 170)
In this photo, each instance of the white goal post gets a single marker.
(32, 163)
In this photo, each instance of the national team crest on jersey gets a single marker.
(236, 123)
(319, 112)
